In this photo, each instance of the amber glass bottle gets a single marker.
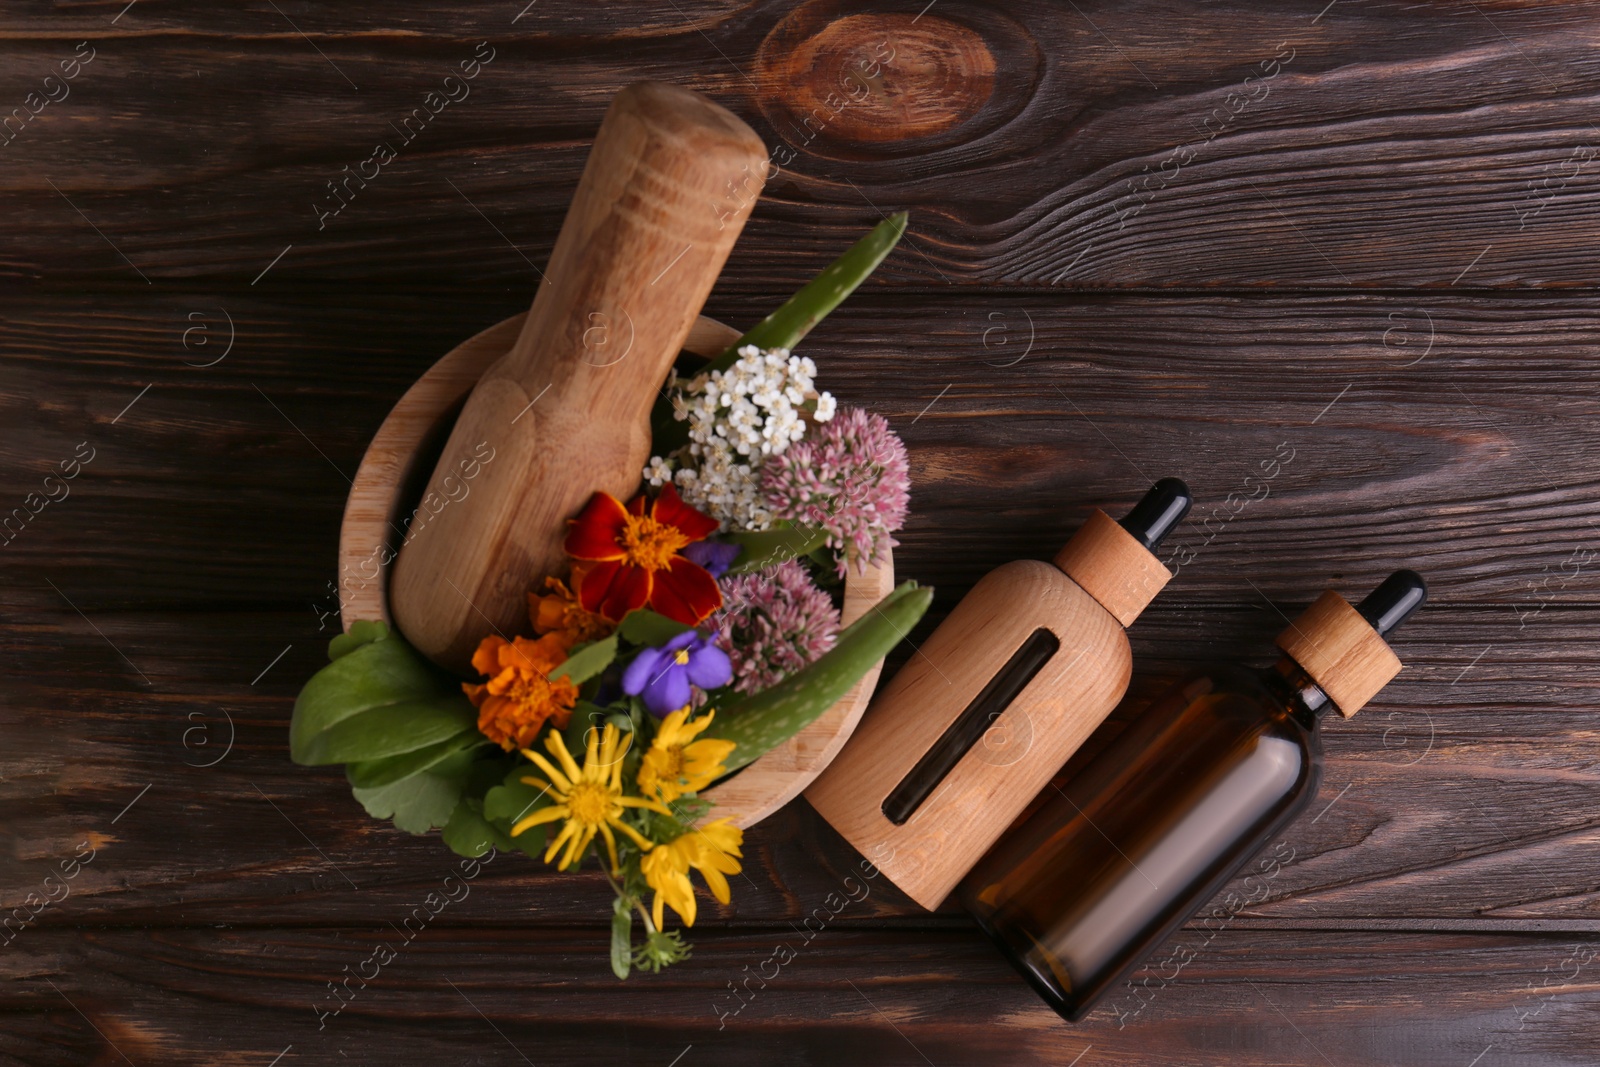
(1116, 860)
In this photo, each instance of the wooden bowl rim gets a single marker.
(374, 508)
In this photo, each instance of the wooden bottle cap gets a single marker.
(1341, 651)
(1112, 566)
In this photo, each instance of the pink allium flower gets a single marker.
(848, 475)
(772, 623)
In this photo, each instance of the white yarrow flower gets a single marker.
(737, 418)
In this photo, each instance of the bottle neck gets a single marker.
(1301, 696)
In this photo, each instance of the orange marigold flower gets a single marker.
(635, 555)
(558, 612)
(519, 697)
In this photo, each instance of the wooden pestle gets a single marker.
(566, 412)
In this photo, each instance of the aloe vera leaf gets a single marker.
(763, 720)
(787, 326)
(764, 548)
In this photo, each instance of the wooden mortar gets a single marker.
(389, 490)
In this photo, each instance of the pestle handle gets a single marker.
(667, 187)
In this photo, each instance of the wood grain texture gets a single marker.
(783, 772)
(1472, 780)
(1334, 266)
(1327, 439)
(384, 501)
(177, 996)
(664, 194)
(1107, 145)
(967, 808)
(1110, 565)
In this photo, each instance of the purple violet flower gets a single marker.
(663, 675)
(714, 556)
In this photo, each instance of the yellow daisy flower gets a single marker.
(666, 870)
(589, 799)
(711, 849)
(674, 766)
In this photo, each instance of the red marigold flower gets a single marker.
(635, 552)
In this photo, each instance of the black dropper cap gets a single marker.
(1392, 603)
(1162, 508)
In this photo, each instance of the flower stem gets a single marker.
(631, 901)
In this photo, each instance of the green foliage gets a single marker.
(373, 774)
(648, 629)
(512, 800)
(422, 802)
(661, 948)
(585, 716)
(469, 834)
(787, 326)
(406, 733)
(621, 937)
(760, 721)
(362, 632)
(588, 661)
(783, 540)
(378, 697)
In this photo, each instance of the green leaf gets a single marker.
(760, 721)
(422, 802)
(645, 627)
(621, 939)
(371, 774)
(588, 661)
(787, 326)
(513, 799)
(362, 632)
(469, 834)
(765, 548)
(389, 730)
(576, 735)
(380, 698)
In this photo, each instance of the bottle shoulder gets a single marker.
(1043, 594)
(1233, 697)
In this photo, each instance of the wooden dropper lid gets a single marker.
(1114, 562)
(1343, 649)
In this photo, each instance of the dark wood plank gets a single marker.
(1466, 791)
(1441, 906)
(845, 997)
(1447, 433)
(1099, 145)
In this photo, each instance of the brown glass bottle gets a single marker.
(1116, 860)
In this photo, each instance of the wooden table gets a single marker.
(1147, 239)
